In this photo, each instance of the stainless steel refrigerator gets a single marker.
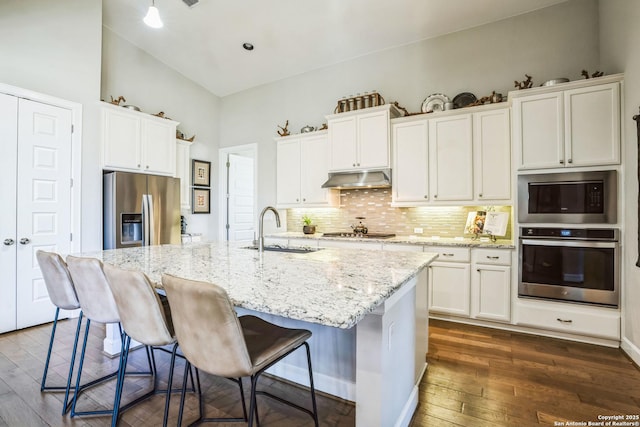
(140, 210)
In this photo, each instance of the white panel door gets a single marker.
(288, 173)
(449, 288)
(8, 141)
(343, 152)
(373, 140)
(43, 202)
(492, 155)
(121, 143)
(241, 212)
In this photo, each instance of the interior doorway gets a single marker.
(238, 183)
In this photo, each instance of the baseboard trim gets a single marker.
(631, 350)
(408, 410)
(337, 387)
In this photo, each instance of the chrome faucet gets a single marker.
(260, 226)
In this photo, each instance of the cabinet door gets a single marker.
(492, 155)
(183, 171)
(538, 131)
(288, 172)
(8, 173)
(410, 162)
(158, 147)
(342, 144)
(449, 288)
(314, 158)
(451, 158)
(373, 140)
(121, 142)
(592, 127)
(491, 292)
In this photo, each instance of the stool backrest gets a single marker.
(57, 280)
(207, 327)
(93, 290)
(141, 313)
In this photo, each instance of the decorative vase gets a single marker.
(309, 229)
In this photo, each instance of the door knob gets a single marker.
(25, 241)
(8, 242)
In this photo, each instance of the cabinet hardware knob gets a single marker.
(147, 166)
(493, 257)
(447, 254)
(480, 195)
(561, 162)
(570, 161)
(564, 320)
(297, 200)
(8, 242)
(435, 196)
(25, 241)
(478, 270)
(304, 200)
(358, 164)
(138, 164)
(354, 165)
(426, 196)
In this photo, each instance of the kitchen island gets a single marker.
(367, 312)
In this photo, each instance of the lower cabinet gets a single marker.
(491, 284)
(449, 281)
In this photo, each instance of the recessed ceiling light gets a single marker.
(247, 46)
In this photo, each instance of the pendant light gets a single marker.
(153, 16)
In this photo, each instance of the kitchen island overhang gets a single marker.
(367, 311)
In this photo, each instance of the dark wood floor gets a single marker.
(476, 377)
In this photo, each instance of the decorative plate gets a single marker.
(463, 99)
(434, 102)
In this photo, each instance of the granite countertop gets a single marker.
(332, 287)
(412, 240)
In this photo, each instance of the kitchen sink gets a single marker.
(293, 250)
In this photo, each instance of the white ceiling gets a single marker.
(204, 43)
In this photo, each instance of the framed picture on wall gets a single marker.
(201, 173)
(201, 201)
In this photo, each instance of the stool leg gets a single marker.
(170, 384)
(124, 356)
(46, 363)
(244, 405)
(312, 389)
(84, 348)
(253, 408)
(66, 402)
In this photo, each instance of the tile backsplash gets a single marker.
(375, 205)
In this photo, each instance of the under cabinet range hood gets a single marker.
(359, 179)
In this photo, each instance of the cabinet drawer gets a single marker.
(450, 254)
(592, 322)
(491, 256)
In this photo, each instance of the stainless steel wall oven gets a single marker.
(570, 264)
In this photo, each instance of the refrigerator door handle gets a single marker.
(145, 220)
(150, 220)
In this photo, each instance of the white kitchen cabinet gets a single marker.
(183, 171)
(576, 319)
(410, 162)
(359, 140)
(449, 281)
(137, 142)
(491, 284)
(301, 171)
(35, 189)
(492, 154)
(574, 124)
(451, 158)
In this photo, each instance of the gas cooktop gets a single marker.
(359, 235)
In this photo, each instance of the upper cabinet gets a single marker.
(453, 157)
(359, 140)
(302, 169)
(572, 125)
(138, 142)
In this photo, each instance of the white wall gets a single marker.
(555, 42)
(151, 85)
(619, 37)
(53, 47)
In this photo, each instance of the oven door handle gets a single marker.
(569, 243)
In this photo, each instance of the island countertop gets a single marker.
(331, 287)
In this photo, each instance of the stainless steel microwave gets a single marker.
(568, 198)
